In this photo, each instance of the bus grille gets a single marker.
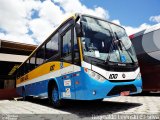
(120, 88)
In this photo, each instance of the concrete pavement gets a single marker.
(83, 110)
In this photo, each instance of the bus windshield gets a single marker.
(99, 41)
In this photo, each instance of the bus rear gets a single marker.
(147, 47)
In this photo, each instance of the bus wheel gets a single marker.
(97, 100)
(56, 102)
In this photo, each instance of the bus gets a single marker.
(85, 58)
(147, 47)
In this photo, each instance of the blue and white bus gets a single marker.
(85, 58)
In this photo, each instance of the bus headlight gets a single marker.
(94, 75)
(138, 76)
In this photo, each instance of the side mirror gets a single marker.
(79, 31)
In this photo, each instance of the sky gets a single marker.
(32, 21)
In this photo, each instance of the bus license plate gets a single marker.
(124, 93)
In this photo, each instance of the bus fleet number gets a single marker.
(113, 76)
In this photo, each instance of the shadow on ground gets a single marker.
(154, 94)
(89, 108)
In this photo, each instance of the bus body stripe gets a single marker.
(51, 75)
(41, 70)
(106, 74)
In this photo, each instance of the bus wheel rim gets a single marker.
(55, 95)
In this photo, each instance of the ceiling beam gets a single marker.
(12, 57)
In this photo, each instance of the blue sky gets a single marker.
(129, 12)
(32, 21)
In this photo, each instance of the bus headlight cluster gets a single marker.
(138, 76)
(95, 75)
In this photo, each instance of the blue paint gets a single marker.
(82, 91)
(55, 95)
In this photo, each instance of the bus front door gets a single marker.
(67, 68)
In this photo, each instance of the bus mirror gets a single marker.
(79, 31)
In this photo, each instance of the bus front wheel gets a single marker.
(54, 97)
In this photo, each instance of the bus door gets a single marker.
(66, 64)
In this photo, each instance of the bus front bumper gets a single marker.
(97, 90)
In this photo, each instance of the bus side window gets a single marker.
(66, 47)
(22, 70)
(18, 74)
(40, 56)
(27, 66)
(32, 62)
(52, 47)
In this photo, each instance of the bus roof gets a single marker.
(67, 18)
(145, 31)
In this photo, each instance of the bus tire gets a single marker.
(98, 100)
(54, 97)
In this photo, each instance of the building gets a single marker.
(12, 54)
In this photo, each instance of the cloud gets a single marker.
(131, 30)
(32, 21)
(77, 6)
(14, 19)
(155, 19)
(17, 22)
(116, 22)
(51, 12)
(41, 29)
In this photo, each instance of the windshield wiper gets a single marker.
(111, 48)
(120, 43)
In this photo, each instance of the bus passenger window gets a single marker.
(32, 62)
(52, 47)
(67, 43)
(19, 72)
(40, 55)
(22, 70)
(66, 46)
(27, 66)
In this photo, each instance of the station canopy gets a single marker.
(12, 54)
